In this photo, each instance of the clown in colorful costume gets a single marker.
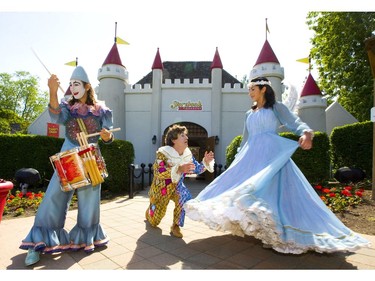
(48, 235)
(170, 169)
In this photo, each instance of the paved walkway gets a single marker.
(135, 245)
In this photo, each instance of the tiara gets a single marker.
(262, 82)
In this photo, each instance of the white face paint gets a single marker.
(77, 89)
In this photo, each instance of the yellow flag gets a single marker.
(120, 41)
(72, 63)
(304, 60)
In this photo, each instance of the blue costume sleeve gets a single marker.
(199, 167)
(107, 120)
(290, 120)
(61, 117)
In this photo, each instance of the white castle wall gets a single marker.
(336, 116)
(138, 101)
(39, 126)
(311, 109)
(274, 72)
(113, 79)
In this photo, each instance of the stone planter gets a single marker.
(5, 186)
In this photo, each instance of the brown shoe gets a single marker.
(175, 231)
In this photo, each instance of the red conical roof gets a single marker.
(157, 61)
(310, 88)
(113, 56)
(68, 92)
(216, 62)
(266, 55)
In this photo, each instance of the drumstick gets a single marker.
(90, 161)
(98, 133)
(45, 68)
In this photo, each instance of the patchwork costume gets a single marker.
(168, 185)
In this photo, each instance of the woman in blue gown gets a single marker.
(264, 194)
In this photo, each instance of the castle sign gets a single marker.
(189, 105)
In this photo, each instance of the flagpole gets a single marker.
(116, 32)
(266, 29)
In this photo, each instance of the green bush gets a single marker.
(314, 163)
(351, 146)
(231, 150)
(33, 151)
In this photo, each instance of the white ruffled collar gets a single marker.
(174, 156)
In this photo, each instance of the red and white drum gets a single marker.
(80, 166)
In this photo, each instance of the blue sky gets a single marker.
(60, 32)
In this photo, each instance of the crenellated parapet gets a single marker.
(268, 69)
(185, 83)
(113, 71)
(312, 101)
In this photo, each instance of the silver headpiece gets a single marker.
(262, 82)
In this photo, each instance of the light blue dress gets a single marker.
(264, 194)
(48, 234)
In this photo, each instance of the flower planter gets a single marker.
(5, 186)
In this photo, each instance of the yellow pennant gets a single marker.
(121, 41)
(72, 63)
(304, 60)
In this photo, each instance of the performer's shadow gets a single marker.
(58, 261)
(157, 251)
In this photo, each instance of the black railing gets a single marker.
(140, 185)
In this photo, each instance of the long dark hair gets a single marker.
(269, 95)
(90, 96)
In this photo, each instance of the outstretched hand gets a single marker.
(305, 141)
(208, 157)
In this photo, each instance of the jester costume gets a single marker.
(168, 184)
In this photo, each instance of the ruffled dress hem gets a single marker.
(52, 241)
(258, 221)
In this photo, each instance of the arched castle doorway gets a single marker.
(199, 142)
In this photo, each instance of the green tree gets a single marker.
(11, 123)
(338, 50)
(19, 93)
(245, 81)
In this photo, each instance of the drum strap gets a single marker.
(82, 126)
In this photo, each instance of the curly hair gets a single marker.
(173, 132)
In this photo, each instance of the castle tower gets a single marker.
(312, 106)
(267, 65)
(216, 77)
(156, 99)
(113, 78)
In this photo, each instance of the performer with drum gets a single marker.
(81, 112)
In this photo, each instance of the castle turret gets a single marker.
(156, 99)
(216, 104)
(267, 65)
(113, 78)
(312, 106)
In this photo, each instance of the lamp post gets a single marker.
(370, 48)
